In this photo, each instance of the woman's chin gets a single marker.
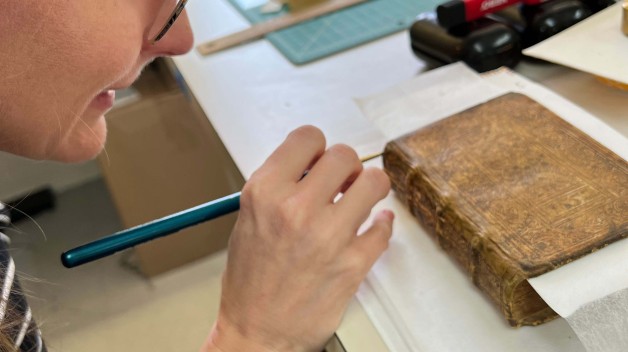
(76, 156)
(85, 143)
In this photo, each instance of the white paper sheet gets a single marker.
(419, 102)
(601, 324)
(595, 45)
(591, 293)
(417, 284)
(585, 280)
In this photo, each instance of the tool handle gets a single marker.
(158, 228)
(161, 227)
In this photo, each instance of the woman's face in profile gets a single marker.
(59, 61)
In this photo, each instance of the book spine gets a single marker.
(426, 202)
(462, 238)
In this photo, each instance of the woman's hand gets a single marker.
(295, 257)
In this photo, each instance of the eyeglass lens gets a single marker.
(163, 16)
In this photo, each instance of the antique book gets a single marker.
(511, 191)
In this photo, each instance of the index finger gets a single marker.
(296, 154)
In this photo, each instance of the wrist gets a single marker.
(227, 338)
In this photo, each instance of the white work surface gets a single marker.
(253, 97)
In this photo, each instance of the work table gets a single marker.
(253, 97)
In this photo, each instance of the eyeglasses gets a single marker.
(166, 17)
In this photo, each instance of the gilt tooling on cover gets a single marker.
(511, 191)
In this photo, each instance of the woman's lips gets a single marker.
(104, 101)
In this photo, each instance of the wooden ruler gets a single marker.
(259, 30)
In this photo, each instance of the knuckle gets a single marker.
(286, 209)
(378, 179)
(383, 228)
(252, 192)
(309, 133)
(383, 240)
(356, 265)
(259, 176)
(256, 175)
(292, 215)
(344, 152)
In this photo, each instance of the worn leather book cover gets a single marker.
(511, 191)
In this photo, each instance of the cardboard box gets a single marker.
(163, 156)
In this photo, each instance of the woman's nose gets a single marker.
(178, 40)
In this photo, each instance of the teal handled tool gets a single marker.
(109, 245)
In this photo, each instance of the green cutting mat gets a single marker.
(340, 30)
